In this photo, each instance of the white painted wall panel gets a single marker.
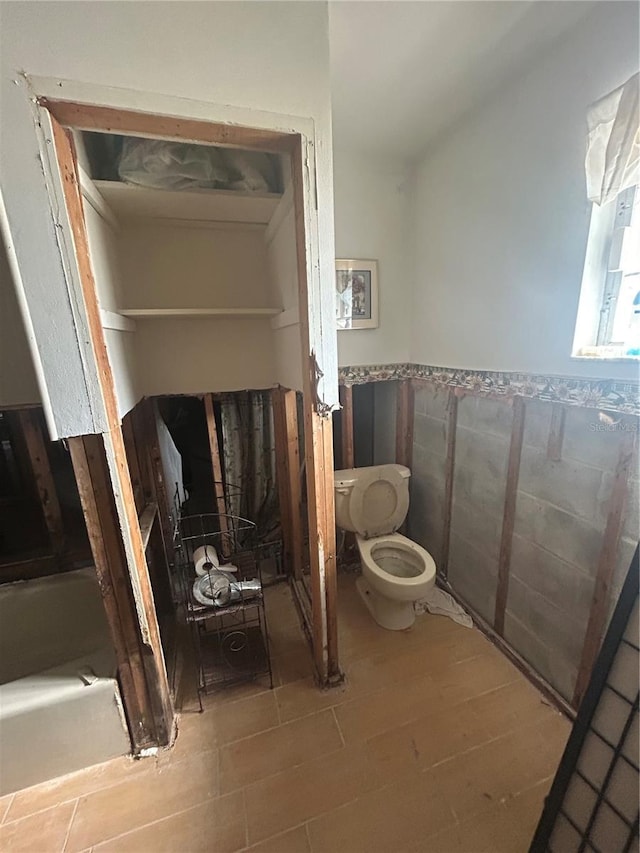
(283, 277)
(17, 377)
(193, 356)
(174, 266)
(107, 272)
(371, 210)
(501, 213)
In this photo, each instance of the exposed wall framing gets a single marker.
(40, 533)
(285, 420)
(452, 418)
(216, 469)
(96, 493)
(404, 422)
(346, 426)
(508, 519)
(314, 333)
(128, 532)
(39, 460)
(606, 565)
(543, 437)
(318, 437)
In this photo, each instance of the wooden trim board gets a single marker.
(509, 515)
(96, 495)
(318, 435)
(346, 425)
(404, 422)
(88, 117)
(606, 566)
(285, 419)
(450, 461)
(216, 470)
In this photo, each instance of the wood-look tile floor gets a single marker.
(435, 742)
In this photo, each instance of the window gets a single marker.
(609, 314)
(608, 324)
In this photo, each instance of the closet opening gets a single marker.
(193, 244)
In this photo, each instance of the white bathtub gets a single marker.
(60, 707)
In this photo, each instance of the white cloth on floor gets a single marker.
(440, 603)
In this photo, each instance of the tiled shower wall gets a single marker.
(560, 515)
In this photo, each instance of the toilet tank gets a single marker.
(381, 499)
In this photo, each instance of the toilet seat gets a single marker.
(379, 501)
(394, 545)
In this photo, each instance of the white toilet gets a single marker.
(373, 503)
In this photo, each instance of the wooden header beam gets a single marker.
(129, 122)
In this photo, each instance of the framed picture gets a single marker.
(356, 294)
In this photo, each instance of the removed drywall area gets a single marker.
(548, 547)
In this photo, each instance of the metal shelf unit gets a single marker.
(229, 635)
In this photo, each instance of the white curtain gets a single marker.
(613, 146)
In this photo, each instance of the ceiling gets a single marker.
(402, 71)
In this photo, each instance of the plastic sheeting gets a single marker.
(165, 165)
(613, 148)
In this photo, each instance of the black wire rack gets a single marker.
(223, 599)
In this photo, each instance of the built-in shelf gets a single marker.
(127, 201)
(200, 312)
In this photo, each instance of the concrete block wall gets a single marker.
(561, 513)
(561, 509)
(480, 475)
(427, 484)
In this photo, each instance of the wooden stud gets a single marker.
(147, 518)
(128, 122)
(318, 434)
(36, 565)
(216, 468)
(41, 468)
(285, 421)
(517, 660)
(129, 529)
(556, 432)
(450, 462)
(606, 565)
(509, 515)
(404, 422)
(346, 426)
(96, 495)
(133, 460)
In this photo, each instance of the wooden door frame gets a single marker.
(295, 138)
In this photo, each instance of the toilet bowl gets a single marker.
(373, 502)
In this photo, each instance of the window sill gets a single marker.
(603, 353)
(610, 359)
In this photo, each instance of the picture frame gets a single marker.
(356, 294)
